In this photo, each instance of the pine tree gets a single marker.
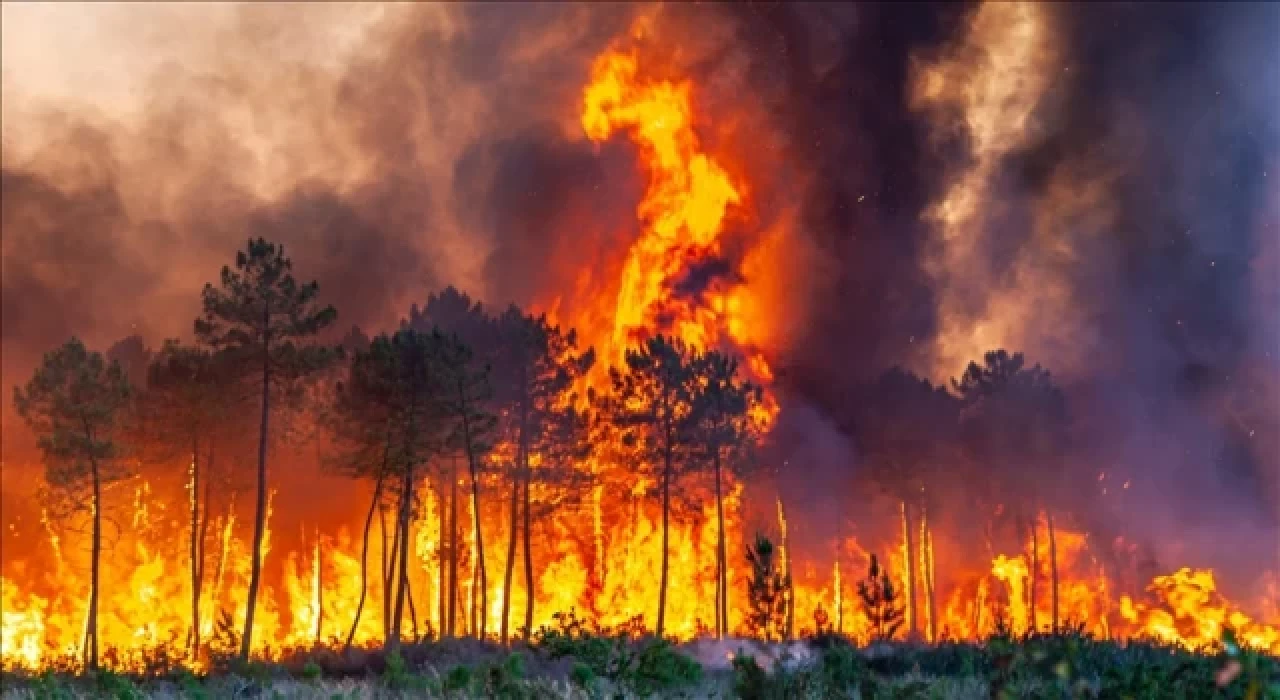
(189, 402)
(75, 404)
(265, 321)
(722, 431)
(767, 591)
(880, 602)
(650, 404)
(465, 391)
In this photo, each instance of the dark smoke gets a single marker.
(449, 152)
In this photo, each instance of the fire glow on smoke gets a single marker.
(611, 575)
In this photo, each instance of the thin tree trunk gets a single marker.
(521, 465)
(385, 571)
(193, 638)
(511, 556)
(364, 549)
(413, 611)
(393, 575)
(789, 619)
(202, 539)
(528, 557)
(464, 404)
(913, 611)
(260, 515)
(722, 588)
(402, 535)
(91, 626)
(666, 515)
(442, 587)
(453, 546)
(319, 591)
(1032, 575)
(930, 577)
(1053, 569)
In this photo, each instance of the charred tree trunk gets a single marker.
(442, 581)
(386, 570)
(1053, 569)
(520, 466)
(1033, 574)
(393, 567)
(453, 546)
(364, 549)
(260, 513)
(480, 572)
(666, 524)
(400, 561)
(413, 611)
(202, 539)
(91, 623)
(514, 534)
(193, 639)
(789, 621)
(528, 557)
(722, 580)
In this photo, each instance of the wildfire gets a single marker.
(603, 560)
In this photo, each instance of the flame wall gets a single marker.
(1093, 185)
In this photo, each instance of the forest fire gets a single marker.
(630, 502)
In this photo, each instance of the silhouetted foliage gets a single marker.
(767, 591)
(74, 403)
(880, 602)
(263, 320)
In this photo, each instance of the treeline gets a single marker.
(454, 389)
(495, 401)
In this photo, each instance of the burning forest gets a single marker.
(918, 323)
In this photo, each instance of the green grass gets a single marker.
(571, 660)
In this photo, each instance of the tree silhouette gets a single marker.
(880, 602)
(650, 404)
(264, 321)
(767, 591)
(535, 371)
(1015, 419)
(75, 403)
(906, 427)
(464, 393)
(722, 431)
(189, 401)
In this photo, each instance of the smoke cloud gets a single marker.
(1094, 185)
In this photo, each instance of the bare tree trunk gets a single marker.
(521, 465)
(926, 564)
(442, 582)
(260, 514)
(320, 591)
(1032, 575)
(789, 621)
(91, 624)
(1053, 569)
(413, 611)
(364, 549)
(202, 539)
(453, 546)
(528, 557)
(511, 556)
(393, 580)
(666, 517)
(193, 639)
(722, 579)
(913, 610)
(402, 537)
(385, 571)
(465, 404)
